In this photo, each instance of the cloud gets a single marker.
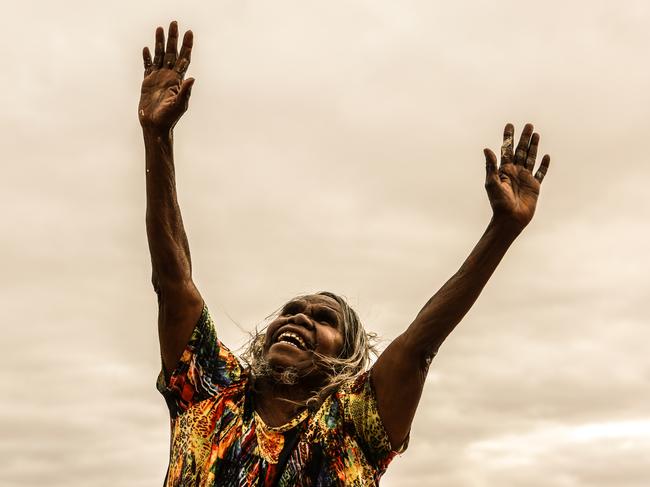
(332, 148)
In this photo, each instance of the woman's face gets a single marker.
(305, 325)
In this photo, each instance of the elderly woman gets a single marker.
(304, 407)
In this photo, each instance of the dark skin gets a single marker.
(400, 371)
(317, 319)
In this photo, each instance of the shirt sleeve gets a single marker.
(206, 367)
(362, 414)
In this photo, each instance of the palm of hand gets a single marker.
(516, 194)
(159, 97)
(165, 95)
(512, 189)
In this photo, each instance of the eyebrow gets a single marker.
(324, 309)
(295, 304)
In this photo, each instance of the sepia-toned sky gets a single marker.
(332, 145)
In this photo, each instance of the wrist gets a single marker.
(156, 134)
(505, 228)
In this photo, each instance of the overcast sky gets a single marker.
(332, 145)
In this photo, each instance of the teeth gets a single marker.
(290, 338)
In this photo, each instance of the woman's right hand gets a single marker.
(165, 95)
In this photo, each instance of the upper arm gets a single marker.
(398, 378)
(179, 310)
(206, 366)
(358, 401)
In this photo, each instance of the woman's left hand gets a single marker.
(511, 187)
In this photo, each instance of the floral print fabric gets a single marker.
(219, 440)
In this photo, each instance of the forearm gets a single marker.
(449, 305)
(170, 255)
(400, 372)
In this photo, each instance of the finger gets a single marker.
(159, 51)
(172, 41)
(186, 53)
(491, 169)
(522, 147)
(532, 152)
(148, 64)
(541, 172)
(506, 148)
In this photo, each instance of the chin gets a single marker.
(287, 376)
(288, 369)
(281, 355)
(279, 361)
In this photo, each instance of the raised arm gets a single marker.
(163, 100)
(401, 370)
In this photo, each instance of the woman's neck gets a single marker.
(277, 403)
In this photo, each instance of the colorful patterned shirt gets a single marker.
(217, 438)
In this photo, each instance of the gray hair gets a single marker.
(354, 359)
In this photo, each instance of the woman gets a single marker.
(304, 410)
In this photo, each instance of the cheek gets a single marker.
(266, 344)
(270, 331)
(331, 342)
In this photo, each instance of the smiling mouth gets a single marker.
(292, 339)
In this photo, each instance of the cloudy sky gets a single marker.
(332, 145)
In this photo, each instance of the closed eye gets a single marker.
(292, 308)
(326, 316)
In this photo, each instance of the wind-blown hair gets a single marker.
(354, 359)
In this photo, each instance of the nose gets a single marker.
(302, 320)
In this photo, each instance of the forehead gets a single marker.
(318, 300)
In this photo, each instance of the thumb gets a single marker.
(491, 171)
(186, 91)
